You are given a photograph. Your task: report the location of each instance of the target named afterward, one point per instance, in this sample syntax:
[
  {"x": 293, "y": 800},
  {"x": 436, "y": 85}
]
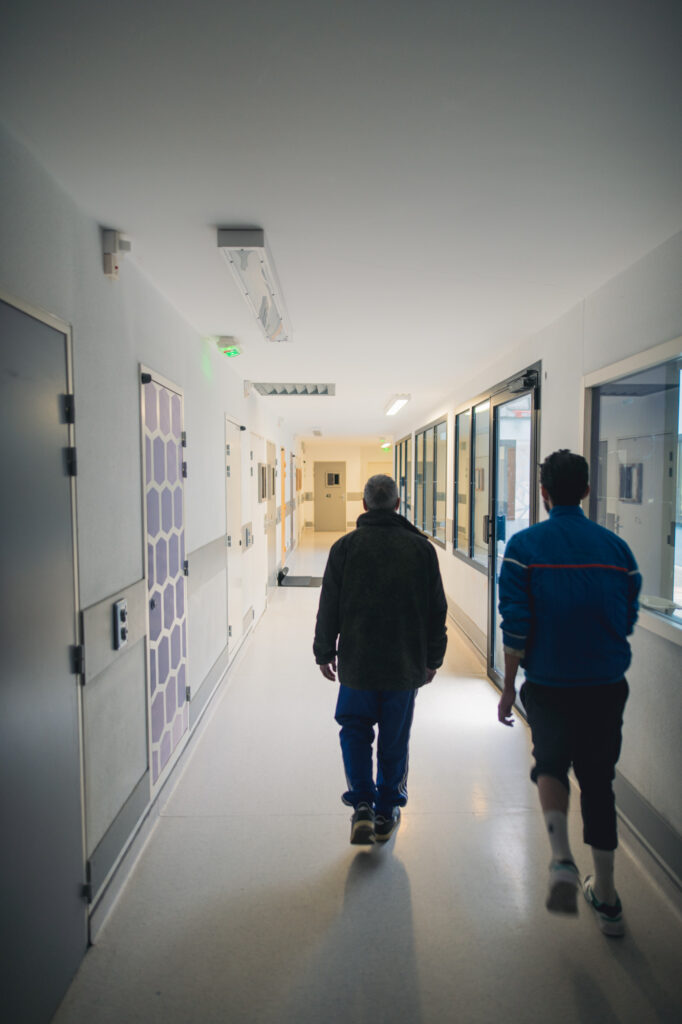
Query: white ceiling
[{"x": 436, "y": 181}]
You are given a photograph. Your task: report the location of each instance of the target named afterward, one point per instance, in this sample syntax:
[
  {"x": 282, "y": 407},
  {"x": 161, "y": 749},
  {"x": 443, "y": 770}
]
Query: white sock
[
  {"x": 604, "y": 887},
  {"x": 557, "y": 830}
]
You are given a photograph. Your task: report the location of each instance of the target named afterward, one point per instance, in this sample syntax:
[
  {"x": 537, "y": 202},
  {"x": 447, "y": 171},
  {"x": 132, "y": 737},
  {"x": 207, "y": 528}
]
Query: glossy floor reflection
[{"x": 249, "y": 905}]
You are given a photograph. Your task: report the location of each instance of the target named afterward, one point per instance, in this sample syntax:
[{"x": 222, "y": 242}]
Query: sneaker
[
  {"x": 609, "y": 915},
  {"x": 385, "y": 826},
  {"x": 562, "y": 895},
  {"x": 362, "y": 826}
]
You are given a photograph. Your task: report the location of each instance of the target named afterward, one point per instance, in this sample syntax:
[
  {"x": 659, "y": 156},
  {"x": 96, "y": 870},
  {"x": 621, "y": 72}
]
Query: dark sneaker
[
  {"x": 562, "y": 894},
  {"x": 609, "y": 915},
  {"x": 362, "y": 826},
  {"x": 384, "y": 826}
]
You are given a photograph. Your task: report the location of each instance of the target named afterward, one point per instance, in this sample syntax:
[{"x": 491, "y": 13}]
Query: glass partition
[
  {"x": 481, "y": 445},
  {"x": 441, "y": 479},
  {"x": 636, "y": 485},
  {"x": 419, "y": 481},
  {"x": 431, "y": 472},
  {"x": 462, "y": 482}
]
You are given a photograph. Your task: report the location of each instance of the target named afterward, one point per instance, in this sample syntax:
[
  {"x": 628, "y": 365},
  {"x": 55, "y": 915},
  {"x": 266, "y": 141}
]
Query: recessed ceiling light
[{"x": 396, "y": 403}]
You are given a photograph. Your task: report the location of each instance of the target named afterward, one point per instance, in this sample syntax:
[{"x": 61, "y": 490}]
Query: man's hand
[
  {"x": 430, "y": 673},
  {"x": 504, "y": 708},
  {"x": 329, "y": 671}
]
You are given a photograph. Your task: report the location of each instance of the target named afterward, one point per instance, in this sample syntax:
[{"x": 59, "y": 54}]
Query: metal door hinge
[
  {"x": 86, "y": 891},
  {"x": 185, "y": 567},
  {"x": 78, "y": 659},
  {"x": 229, "y": 630},
  {"x": 188, "y": 693},
  {"x": 228, "y": 470},
  {"x": 69, "y": 406},
  {"x": 184, "y": 469},
  {"x": 71, "y": 462},
  {"x": 229, "y": 541},
  {"x": 183, "y": 438}
]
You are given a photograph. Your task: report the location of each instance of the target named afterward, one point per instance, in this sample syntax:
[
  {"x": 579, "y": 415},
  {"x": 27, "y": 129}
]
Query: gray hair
[{"x": 381, "y": 492}]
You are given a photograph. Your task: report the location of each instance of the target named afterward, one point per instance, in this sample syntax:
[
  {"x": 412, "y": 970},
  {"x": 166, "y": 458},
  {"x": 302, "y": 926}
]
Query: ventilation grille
[{"x": 295, "y": 389}]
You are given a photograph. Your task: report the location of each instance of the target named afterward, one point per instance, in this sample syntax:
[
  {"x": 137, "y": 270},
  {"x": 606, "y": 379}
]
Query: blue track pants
[{"x": 357, "y": 712}]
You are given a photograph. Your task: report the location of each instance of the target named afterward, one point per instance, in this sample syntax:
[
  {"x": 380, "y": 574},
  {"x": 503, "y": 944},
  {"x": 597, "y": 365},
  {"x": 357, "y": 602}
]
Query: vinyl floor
[{"x": 249, "y": 906}]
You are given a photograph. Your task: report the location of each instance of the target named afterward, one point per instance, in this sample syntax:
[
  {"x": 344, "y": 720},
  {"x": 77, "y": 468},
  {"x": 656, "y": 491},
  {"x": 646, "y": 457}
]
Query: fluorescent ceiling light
[
  {"x": 385, "y": 445},
  {"x": 250, "y": 262},
  {"x": 297, "y": 390},
  {"x": 396, "y": 403}
]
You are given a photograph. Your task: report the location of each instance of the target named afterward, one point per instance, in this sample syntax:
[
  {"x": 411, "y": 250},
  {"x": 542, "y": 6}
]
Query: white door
[
  {"x": 330, "y": 496},
  {"x": 233, "y": 504}
]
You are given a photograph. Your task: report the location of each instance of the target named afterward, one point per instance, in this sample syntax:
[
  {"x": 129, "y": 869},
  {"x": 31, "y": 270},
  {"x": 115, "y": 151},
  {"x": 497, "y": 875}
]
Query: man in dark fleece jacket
[{"x": 382, "y": 600}]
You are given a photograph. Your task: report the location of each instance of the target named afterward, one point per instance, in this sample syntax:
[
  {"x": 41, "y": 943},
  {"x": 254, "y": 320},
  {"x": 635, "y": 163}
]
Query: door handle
[{"x": 486, "y": 529}]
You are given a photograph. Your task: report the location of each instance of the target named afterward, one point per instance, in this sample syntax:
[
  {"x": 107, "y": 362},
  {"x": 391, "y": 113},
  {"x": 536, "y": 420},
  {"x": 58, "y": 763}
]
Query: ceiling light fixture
[
  {"x": 385, "y": 445},
  {"x": 396, "y": 403},
  {"x": 297, "y": 390},
  {"x": 250, "y": 262}
]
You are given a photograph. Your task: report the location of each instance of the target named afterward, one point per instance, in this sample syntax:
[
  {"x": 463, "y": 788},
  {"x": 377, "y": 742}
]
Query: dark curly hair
[{"x": 565, "y": 476}]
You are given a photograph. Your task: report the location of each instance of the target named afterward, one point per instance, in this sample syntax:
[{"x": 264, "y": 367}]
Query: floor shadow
[{"x": 364, "y": 969}]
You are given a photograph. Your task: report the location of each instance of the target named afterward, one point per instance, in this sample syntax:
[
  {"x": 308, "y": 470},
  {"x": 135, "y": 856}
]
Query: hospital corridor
[{"x": 254, "y": 257}]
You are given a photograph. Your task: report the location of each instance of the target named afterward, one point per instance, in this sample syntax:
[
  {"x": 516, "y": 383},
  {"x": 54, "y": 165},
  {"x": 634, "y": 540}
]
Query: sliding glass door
[{"x": 514, "y": 494}]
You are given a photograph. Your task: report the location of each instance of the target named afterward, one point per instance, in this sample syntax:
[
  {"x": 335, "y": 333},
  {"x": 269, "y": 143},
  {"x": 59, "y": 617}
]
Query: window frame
[
  {"x": 400, "y": 463},
  {"x": 468, "y": 407},
  {"x": 654, "y": 622},
  {"x": 420, "y": 435}
]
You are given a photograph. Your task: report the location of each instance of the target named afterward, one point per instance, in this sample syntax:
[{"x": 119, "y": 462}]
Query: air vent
[{"x": 295, "y": 389}]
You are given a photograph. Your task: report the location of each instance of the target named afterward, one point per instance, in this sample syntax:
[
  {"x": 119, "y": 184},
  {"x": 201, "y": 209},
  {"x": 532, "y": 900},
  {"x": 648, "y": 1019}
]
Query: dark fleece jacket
[{"x": 382, "y": 597}]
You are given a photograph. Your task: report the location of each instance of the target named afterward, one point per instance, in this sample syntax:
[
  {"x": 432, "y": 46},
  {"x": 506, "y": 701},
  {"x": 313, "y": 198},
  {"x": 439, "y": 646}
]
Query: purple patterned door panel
[{"x": 162, "y": 419}]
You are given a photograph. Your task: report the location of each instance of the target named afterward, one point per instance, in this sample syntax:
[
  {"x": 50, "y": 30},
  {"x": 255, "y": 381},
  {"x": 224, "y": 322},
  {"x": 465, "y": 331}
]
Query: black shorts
[{"x": 577, "y": 726}]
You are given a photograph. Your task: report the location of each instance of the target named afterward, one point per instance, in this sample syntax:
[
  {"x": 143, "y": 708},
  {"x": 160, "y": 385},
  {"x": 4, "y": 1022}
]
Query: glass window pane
[
  {"x": 428, "y": 483},
  {"x": 441, "y": 478},
  {"x": 462, "y": 485},
  {"x": 481, "y": 479},
  {"x": 408, "y": 478},
  {"x": 513, "y": 476},
  {"x": 419, "y": 481},
  {"x": 636, "y": 486}
]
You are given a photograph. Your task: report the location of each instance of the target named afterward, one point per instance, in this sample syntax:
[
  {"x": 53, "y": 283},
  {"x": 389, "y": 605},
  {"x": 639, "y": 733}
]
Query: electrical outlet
[{"x": 120, "y": 624}]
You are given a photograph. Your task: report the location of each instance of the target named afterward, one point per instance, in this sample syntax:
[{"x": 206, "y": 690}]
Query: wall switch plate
[{"x": 120, "y": 624}]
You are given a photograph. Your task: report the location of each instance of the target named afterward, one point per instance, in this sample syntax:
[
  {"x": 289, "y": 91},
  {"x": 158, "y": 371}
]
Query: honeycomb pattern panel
[{"x": 168, "y": 708}]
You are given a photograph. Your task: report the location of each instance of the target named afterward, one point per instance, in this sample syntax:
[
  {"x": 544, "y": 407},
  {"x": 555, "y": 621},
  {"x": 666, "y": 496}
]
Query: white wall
[{"x": 51, "y": 260}]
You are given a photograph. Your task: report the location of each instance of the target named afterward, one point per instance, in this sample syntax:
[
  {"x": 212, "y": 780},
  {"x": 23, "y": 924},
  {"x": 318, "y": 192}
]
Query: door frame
[
  {"x": 64, "y": 328},
  {"x": 164, "y": 773},
  {"x": 331, "y": 462},
  {"x": 80, "y": 885},
  {"x": 527, "y": 383}
]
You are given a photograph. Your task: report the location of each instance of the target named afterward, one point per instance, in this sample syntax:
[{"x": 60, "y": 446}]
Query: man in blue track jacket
[
  {"x": 383, "y": 602},
  {"x": 568, "y": 600}
]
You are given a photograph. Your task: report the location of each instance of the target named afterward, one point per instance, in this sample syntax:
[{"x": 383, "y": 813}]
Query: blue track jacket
[{"x": 568, "y": 599}]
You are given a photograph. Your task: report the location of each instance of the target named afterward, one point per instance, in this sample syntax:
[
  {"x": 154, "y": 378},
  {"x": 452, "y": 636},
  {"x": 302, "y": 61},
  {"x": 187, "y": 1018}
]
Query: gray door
[
  {"x": 44, "y": 920},
  {"x": 330, "y": 496}
]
